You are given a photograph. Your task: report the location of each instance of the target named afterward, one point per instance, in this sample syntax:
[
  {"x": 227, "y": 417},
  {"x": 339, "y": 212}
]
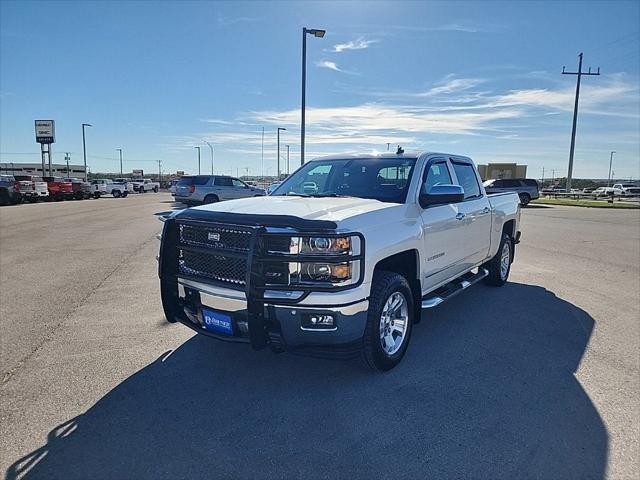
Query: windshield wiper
[{"x": 332, "y": 194}]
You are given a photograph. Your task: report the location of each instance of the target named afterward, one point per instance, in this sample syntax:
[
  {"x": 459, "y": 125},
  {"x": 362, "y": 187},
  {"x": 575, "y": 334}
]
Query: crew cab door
[
  {"x": 443, "y": 233},
  {"x": 474, "y": 214},
  {"x": 223, "y": 188}
]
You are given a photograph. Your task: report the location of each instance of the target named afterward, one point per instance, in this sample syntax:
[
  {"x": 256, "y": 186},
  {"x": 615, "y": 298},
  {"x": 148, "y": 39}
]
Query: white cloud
[
  {"x": 224, "y": 21},
  {"x": 358, "y": 44},
  {"x": 333, "y": 66}
]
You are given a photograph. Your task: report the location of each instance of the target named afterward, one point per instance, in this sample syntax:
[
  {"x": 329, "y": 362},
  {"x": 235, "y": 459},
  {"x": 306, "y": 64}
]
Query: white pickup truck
[
  {"x": 143, "y": 185},
  {"x": 342, "y": 258},
  {"x": 103, "y": 186}
]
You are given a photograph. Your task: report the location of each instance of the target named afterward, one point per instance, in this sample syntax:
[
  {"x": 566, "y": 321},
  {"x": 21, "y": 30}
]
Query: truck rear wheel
[
  {"x": 96, "y": 195},
  {"x": 524, "y": 199},
  {"x": 115, "y": 193},
  {"x": 155, "y": 189},
  {"x": 500, "y": 265},
  {"x": 389, "y": 321}
]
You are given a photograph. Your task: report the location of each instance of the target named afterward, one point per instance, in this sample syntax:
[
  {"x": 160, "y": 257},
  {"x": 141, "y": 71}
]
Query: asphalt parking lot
[{"x": 538, "y": 379}]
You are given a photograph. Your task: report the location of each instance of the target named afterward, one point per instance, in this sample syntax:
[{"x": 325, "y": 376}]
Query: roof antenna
[{"x": 400, "y": 150}]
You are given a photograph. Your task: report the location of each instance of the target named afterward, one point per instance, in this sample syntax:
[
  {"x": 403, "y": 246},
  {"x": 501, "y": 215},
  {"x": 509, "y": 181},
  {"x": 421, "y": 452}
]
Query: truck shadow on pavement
[{"x": 487, "y": 390}]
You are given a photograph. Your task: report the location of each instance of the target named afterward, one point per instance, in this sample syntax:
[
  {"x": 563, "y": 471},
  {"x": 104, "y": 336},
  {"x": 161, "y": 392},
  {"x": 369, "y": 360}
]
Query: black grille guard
[{"x": 254, "y": 288}]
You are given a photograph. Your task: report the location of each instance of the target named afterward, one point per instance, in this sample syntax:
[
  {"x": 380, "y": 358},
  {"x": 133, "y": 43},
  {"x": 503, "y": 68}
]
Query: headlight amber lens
[
  {"x": 329, "y": 245},
  {"x": 327, "y": 272}
]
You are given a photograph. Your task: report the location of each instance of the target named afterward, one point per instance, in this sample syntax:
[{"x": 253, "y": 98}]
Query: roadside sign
[
  {"x": 137, "y": 173},
  {"x": 45, "y": 131}
]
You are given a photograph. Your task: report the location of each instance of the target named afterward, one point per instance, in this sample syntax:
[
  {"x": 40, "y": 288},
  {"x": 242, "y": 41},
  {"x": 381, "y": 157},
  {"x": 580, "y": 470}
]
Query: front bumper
[
  {"x": 284, "y": 322},
  {"x": 281, "y": 316}
]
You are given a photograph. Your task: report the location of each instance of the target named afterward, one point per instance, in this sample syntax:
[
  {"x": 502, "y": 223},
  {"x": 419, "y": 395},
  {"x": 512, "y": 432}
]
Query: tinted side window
[
  {"x": 530, "y": 182},
  {"x": 438, "y": 174},
  {"x": 497, "y": 184},
  {"x": 223, "y": 182},
  {"x": 467, "y": 178},
  {"x": 237, "y": 183},
  {"x": 511, "y": 183}
]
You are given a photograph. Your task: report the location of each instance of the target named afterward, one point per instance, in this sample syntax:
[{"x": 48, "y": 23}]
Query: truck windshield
[{"x": 384, "y": 179}]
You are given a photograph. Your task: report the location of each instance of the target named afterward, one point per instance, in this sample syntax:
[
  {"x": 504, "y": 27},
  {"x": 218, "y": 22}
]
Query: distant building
[
  {"x": 57, "y": 169},
  {"x": 502, "y": 170}
]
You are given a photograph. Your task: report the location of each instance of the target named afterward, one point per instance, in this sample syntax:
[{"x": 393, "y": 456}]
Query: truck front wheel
[
  {"x": 389, "y": 321},
  {"x": 500, "y": 265}
]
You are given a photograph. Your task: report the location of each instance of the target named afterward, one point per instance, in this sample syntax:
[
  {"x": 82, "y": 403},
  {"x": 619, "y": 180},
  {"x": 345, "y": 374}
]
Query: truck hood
[{"x": 326, "y": 208}]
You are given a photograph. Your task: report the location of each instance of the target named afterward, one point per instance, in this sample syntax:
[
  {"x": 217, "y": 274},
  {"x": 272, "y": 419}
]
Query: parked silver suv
[
  {"x": 526, "y": 188},
  {"x": 196, "y": 189}
]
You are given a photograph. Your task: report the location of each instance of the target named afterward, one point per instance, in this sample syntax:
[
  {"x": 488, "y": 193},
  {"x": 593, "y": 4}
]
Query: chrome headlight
[{"x": 347, "y": 245}]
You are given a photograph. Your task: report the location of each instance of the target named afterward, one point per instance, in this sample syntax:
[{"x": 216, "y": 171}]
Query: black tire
[
  {"x": 211, "y": 199},
  {"x": 96, "y": 195},
  {"x": 125, "y": 194},
  {"x": 155, "y": 189},
  {"x": 385, "y": 285},
  {"x": 116, "y": 193},
  {"x": 497, "y": 276},
  {"x": 5, "y": 199},
  {"x": 525, "y": 198}
]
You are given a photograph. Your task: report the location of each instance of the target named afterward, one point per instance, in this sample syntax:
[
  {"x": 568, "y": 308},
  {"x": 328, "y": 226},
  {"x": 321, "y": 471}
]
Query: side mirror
[{"x": 441, "y": 194}]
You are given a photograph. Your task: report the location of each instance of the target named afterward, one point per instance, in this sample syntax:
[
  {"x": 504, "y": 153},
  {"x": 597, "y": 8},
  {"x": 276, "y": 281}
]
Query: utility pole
[
  {"x": 278, "y": 153},
  {"x": 262, "y": 154},
  {"x": 120, "y": 150},
  {"x": 84, "y": 150},
  {"x": 388, "y": 145},
  {"x": 198, "y": 148},
  {"x": 610, "y": 164},
  {"x": 553, "y": 176},
  {"x": 211, "y": 147},
  {"x": 287, "y": 159},
  {"x": 67, "y": 158},
  {"x": 579, "y": 74},
  {"x": 159, "y": 171},
  {"x": 542, "y": 177}
]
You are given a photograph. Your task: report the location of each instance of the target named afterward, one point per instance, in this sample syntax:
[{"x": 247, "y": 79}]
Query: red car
[{"x": 59, "y": 189}]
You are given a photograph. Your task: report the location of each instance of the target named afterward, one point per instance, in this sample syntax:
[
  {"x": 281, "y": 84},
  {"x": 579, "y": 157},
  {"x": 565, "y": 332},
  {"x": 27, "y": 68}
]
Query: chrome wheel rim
[
  {"x": 505, "y": 260},
  {"x": 393, "y": 323}
]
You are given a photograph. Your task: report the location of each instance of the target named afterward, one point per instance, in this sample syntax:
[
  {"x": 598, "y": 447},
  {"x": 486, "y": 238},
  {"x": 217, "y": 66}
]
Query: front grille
[
  {"x": 216, "y": 267},
  {"x": 216, "y": 236},
  {"x": 211, "y": 251}
]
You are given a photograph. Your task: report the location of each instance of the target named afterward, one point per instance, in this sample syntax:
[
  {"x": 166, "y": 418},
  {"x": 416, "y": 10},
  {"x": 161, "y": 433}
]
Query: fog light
[{"x": 317, "y": 321}]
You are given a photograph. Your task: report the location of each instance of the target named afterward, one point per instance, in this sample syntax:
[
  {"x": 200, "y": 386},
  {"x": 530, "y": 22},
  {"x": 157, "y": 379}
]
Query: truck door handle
[
  {"x": 460, "y": 216},
  {"x": 486, "y": 210}
]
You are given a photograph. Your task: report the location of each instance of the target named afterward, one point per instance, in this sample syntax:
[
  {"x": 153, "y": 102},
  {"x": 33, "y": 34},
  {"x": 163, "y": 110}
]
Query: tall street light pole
[
  {"x": 287, "y": 159},
  {"x": 84, "y": 149},
  {"x": 211, "y": 147},
  {"x": 120, "y": 151},
  {"x": 610, "y": 164},
  {"x": 318, "y": 34},
  {"x": 198, "y": 148},
  {"x": 279, "y": 128}
]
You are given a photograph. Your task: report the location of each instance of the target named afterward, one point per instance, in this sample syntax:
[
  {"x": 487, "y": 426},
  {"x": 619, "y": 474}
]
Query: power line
[{"x": 579, "y": 74}]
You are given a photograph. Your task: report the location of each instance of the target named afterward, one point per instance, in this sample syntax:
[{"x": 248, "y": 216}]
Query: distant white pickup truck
[
  {"x": 144, "y": 185},
  {"x": 106, "y": 185},
  {"x": 342, "y": 257}
]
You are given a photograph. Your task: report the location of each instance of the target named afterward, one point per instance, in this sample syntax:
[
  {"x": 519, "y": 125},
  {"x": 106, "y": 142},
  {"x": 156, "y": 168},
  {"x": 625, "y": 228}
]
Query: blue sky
[{"x": 481, "y": 79}]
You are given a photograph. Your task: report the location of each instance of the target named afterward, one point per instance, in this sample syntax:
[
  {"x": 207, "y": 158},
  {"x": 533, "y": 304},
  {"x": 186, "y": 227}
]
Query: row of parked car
[{"x": 16, "y": 189}]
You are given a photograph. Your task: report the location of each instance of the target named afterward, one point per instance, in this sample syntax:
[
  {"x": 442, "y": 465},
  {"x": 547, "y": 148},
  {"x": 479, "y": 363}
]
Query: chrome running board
[{"x": 453, "y": 288}]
